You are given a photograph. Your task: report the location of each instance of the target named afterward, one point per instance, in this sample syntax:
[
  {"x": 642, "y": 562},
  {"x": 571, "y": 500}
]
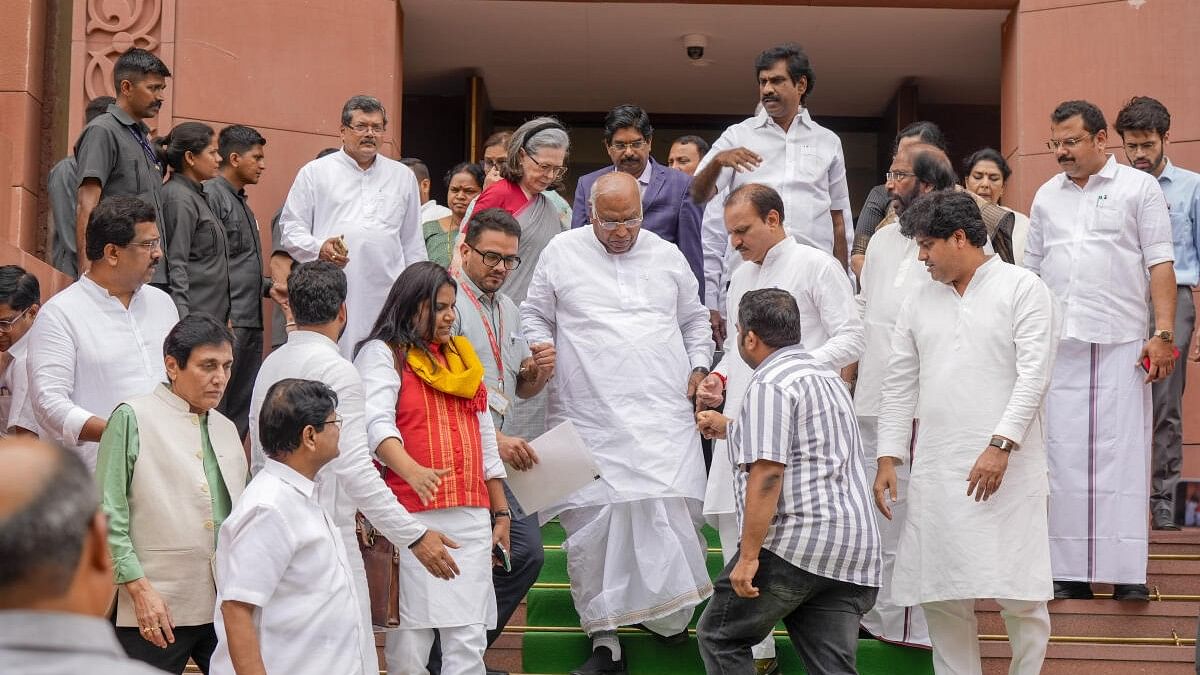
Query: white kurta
[
  {"x": 73, "y": 375},
  {"x": 890, "y": 274},
  {"x": 980, "y": 364},
  {"x": 377, "y": 211},
  {"x": 628, "y": 330},
  {"x": 830, "y": 331}
]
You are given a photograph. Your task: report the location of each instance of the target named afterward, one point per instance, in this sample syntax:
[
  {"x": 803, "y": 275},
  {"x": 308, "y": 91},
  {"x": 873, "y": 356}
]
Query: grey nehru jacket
[
  {"x": 195, "y": 250},
  {"x": 247, "y": 285},
  {"x": 108, "y": 150},
  {"x": 61, "y": 185},
  {"x": 57, "y": 643}
]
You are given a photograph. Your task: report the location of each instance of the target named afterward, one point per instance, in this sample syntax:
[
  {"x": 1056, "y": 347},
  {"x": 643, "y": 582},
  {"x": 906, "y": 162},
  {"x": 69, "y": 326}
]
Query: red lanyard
[{"x": 487, "y": 326}]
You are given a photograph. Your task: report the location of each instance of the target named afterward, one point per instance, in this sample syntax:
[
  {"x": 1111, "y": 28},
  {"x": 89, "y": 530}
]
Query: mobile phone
[
  {"x": 502, "y": 556},
  {"x": 1146, "y": 361}
]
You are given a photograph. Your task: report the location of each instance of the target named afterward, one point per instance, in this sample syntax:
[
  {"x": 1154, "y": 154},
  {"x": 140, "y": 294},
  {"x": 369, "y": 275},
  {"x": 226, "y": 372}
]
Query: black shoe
[
  {"x": 1072, "y": 590},
  {"x": 677, "y": 639},
  {"x": 767, "y": 667},
  {"x": 601, "y": 663},
  {"x": 1164, "y": 520},
  {"x": 496, "y": 672},
  {"x": 1132, "y": 592}
]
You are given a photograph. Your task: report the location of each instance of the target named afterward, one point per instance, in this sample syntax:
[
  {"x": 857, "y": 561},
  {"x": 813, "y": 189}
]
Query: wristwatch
[
  {"x": 1002, "y": 444},
  {"x": 1165, "y": 335}
]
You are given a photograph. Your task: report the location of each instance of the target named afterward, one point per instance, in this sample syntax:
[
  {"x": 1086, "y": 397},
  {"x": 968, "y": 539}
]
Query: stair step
[
  {"x": 554, "y": 569},
  {"x": 1183, "y": 542},
  {"x": 552, "y": 652},
  {"x": 1097, "y": 659},
  {"x": 1105, "y": 618}
]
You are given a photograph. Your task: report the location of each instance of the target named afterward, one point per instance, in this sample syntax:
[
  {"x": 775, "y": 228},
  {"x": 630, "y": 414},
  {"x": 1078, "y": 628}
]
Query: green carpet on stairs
[{"x": 558, "y": 651}]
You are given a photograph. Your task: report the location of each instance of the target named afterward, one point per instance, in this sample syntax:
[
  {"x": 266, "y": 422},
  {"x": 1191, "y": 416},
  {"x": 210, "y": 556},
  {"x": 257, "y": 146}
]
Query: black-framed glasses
[
  {"x": 897, "y": 176},
  {"x": 1069, "y": 143},
  {"x": 556, "y": 171},
  {"x": 7, "y": 325},
  {"x": 320, "y": 426},
  {"x": 491, "y": 259},
  {"x": 620, "y": 146}
]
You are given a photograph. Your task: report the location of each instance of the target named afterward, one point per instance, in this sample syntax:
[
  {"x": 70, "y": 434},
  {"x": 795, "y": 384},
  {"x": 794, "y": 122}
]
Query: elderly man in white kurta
[
  {"x": 971, "y": 357},
  {"x": 622, "y": 310},
  {"x": 831, "y": 331},
  {"x": 359, "y": 210},
  {"x": 1095, "y": 230},
  {"x": 890, "y": 272}
]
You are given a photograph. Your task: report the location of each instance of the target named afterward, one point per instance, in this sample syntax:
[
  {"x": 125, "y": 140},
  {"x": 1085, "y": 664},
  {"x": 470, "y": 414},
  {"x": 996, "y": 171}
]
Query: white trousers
[
  {"x": 954, "y": 632},
  {"x": 359, "y": 571},
  {"x": 887, "y": 620},
  {"x": 731, "y": 536},
  {"x": 407, "y": 650}
]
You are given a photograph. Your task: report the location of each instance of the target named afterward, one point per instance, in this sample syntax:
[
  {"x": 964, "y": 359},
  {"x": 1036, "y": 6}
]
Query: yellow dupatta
[{"x": 461, "y": 376}]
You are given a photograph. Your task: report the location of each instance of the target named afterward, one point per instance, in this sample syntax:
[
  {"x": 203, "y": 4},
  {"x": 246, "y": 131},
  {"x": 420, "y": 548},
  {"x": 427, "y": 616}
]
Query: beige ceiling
[{"x": 584, "y": 56}]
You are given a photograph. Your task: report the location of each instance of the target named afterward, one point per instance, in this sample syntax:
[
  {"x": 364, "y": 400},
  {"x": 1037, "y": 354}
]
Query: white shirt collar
[
  {"x": 802, "y": 116},
  {"x": 779, "y": 250},
  {"x": 302, "y": 336},
  {"x": 349, "y": 161},
  {"x": 290, "y": 476}
]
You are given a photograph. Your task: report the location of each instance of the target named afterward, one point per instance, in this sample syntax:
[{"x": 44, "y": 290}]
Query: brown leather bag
[{"x": 382, "y": 562}]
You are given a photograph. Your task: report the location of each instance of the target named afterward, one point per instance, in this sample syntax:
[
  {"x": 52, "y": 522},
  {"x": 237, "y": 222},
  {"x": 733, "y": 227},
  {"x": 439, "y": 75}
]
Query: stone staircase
[{"x": 1096, "y": 637}]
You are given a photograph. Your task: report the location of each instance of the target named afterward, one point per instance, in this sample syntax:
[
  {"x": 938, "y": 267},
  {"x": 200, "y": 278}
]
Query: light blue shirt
[{"x": 1182, "y": 189}]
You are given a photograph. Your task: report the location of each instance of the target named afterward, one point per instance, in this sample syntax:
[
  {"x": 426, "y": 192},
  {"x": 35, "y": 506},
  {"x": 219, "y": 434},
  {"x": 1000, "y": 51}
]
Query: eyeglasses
[
  {"x": 556, "y": 171},
  {"x": 491, "y": 259},
  {"x": 897, "y": 176},
  {"x": 610, "y": 225},
  {"x": 1069, "y": 143},
  {"x": 360, "y": 129},
  {"x": 622, "y": 147},
  {"x": 6, "y": 326},
  {"x": 149, "y": 244},
  {"x": 489, "y": 164},
  {"x": 335, "y": 421}
]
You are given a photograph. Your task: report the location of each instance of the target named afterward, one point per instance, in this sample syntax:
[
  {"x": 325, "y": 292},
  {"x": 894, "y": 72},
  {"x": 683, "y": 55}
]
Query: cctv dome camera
[{"x": 694, "y": 44}]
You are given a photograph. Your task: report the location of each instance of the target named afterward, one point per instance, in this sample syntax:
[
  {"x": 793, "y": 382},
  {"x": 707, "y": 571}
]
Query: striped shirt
[{"x": 799, "y": 413}]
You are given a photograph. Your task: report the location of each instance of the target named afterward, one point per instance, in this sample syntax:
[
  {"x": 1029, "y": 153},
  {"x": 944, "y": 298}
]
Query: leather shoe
[
  {"x": 677, "y": 639},
  {"x": 601, "y": 663},
  {"x": 1164, "y": 520},
  {"x": 1133, "y": 592},
  {"x": 1072, "y": 590}
]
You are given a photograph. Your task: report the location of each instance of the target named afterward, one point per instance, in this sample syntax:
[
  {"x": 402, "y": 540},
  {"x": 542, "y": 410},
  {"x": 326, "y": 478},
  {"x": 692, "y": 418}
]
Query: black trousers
[
  {"x": 191, "y": 642},
  {"x": 247, "y": 358}
]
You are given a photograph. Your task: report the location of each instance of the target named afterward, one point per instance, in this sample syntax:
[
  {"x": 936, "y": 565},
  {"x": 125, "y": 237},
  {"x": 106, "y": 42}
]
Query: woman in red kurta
[{"x": 426, "y": 404}]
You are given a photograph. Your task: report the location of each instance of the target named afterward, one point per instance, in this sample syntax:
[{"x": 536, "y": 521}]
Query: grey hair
[
  {"x": 364, "y": 103},
  {"x": 609, "y": 184},
  {"x": 555, "y": 138},
  {"x": 46, "y": 536}
]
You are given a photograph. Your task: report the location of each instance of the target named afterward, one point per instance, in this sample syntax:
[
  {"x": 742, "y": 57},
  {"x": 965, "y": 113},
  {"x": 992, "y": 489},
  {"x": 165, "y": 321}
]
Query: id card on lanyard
[{"x": 497, "y": 400}]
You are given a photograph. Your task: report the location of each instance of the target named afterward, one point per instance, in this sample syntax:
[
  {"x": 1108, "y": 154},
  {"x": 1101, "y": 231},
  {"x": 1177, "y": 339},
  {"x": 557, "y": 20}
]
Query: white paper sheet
[{"x": 564, "y": 465}]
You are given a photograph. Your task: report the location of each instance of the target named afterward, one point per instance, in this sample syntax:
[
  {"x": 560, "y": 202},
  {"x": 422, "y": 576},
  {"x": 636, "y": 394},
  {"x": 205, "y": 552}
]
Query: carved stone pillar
[{"x": 101, "y": 31}]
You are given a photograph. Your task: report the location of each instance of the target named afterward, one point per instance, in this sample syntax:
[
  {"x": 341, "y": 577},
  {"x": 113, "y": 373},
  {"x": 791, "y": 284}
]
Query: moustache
[{"x": 770, "y": 99}]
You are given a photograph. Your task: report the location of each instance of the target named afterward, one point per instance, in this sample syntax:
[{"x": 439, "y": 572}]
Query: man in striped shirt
[{"x": 809, "y": 539}]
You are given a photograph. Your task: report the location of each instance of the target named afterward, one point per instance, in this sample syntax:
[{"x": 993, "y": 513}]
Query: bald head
[
  {"x": 931, "y": 165},
  {"x": 48, "y": 514},
  {"x": 616, "y": 202}
]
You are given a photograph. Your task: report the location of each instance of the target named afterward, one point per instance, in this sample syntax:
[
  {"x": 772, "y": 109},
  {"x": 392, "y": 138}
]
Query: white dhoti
[
  {"x": 887, "y": 620},
  {"x": 461, "y": 609},
  {"x": 1098, "y": 418},
  {"x": 635, "y": 562}
]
